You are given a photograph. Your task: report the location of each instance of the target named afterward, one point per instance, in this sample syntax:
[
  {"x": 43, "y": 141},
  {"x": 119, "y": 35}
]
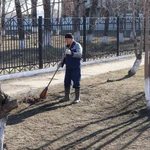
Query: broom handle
[
  {"x": 55, "y": 72},
  {"x": 52, "y": 77},
  {"x": 57, "y": 68}
]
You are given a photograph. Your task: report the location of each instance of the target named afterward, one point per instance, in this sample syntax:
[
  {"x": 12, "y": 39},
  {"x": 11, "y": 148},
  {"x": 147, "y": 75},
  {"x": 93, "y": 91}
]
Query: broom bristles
[{"x": 43, "y": 93}]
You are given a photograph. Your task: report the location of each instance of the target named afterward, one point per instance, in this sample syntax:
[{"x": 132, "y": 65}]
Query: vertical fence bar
[
  {"x": 40, "y": 42},
  {"x": 118, "y": 47},
  {"x": 84, "y": 38}
]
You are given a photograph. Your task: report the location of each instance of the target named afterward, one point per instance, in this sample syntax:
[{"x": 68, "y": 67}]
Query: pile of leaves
[{"x": 31, "y": 99}]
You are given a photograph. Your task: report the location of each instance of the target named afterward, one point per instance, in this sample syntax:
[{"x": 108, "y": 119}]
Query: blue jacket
[{"x": 74, "y": 60}]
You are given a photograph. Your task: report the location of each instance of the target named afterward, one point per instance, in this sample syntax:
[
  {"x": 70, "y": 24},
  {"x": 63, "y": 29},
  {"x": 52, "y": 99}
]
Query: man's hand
[{"x": 68, "y": 52}]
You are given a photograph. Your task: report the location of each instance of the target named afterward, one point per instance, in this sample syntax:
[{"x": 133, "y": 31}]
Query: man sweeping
[{"x": 72, "y": 60}]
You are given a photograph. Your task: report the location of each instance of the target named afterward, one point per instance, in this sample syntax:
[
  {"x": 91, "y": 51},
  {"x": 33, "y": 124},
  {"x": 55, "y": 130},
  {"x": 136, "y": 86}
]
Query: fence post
[
  {"x": 84, "y": 38},
  {"x": 40, "y": 42},
  {"x": 118, "y": 36}
]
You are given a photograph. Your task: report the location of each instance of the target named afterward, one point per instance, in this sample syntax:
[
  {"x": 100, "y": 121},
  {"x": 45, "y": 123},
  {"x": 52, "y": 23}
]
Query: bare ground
[{"x": 110, "y": 116}]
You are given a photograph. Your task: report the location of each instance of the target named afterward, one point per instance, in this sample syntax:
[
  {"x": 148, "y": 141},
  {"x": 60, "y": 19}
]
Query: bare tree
[
  {"x": 58, "y": 29},
  {"x": 20, "y": 24},
  {"x": 138, "y": 49},
  {"x": 1, "y": 6},
  {"x": 25, "y": 7},
  {"x": 67, "y": 7},
  {"x": 52, "y": 8},
  {"x": 106, "y": 26},
  {"x": 47, "y": 30},
  {"x": 2, "y": 121},
  {"x": 93, "y": 13},
  {"x": 63, "y": 12},
  {"x": 0, "y": 25},
  {"x": 97, "y": 9},
  {"x": 3, "y": 17},
  {"x": 147, "y": 55},
  {"x": 76, "y": 20},
  {"x": 119, "y": 9},
  {"x": 34, "y": 14},
  {"x": 26, "y": 4}
]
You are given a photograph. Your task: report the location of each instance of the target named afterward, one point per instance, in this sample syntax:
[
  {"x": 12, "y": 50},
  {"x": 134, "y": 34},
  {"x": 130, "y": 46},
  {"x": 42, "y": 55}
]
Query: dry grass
[{"x": 110, "y": 116}]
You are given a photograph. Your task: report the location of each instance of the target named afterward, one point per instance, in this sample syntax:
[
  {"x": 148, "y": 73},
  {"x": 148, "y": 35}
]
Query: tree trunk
[
  {"x": 0, "y": 26},
  {"x": 106, "y": 27},
  {"x": 76, "y": 20},
  {"x": 47, "y": 27},
  {"x": 6, "y": 105},
  {"x": 93, "y": 13},
  {"x": 2, "y": 129},
  {"x": 34, "y": 15},
  {"x": 147, "y": 56},
  {"x": 58, "y": 28},
  {"x": 121, "y": 36},
  {"x": 27, "y": 9},
  {"x": 3, "y": 17},
  {"x": 1, "y": 38},
  {"x": 137, "y": 50},
  {"x": 125, "y": 26},
  {"x": 20, "y": 24}
]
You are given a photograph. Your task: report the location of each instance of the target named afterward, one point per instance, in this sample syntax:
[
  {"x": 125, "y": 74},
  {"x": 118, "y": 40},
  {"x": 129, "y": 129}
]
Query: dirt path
[{"x": 110, "y": 116}]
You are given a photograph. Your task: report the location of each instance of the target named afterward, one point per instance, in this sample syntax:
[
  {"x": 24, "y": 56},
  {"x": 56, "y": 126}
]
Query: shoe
[
  {"x": 66, "y": 97},
  {"x": 77, "y": 96},
  {"x": 76, "y": 101}
]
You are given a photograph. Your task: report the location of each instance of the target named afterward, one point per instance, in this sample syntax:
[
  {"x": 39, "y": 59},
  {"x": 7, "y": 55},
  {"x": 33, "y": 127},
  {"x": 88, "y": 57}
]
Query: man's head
[{"x": 69, "y": 38}]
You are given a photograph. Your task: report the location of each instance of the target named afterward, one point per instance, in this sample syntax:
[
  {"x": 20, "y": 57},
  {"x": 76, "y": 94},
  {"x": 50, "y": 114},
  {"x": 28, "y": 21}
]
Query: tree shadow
[
  {"x": 140, "y": 121},
  {"x": 129, "y": 102},
  {"x": 26, "y": 113},
  {"x": 124, "y": 126},
  {"x": 123, "y": 78}
]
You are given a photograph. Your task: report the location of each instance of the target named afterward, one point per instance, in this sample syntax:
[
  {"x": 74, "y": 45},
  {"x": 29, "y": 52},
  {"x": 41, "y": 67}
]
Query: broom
[{"x": 44, "y": 92}]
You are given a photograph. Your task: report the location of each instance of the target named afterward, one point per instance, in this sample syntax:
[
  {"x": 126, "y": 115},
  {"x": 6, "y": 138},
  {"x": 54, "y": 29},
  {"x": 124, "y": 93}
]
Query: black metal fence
[{"x": 42, "y": 41}]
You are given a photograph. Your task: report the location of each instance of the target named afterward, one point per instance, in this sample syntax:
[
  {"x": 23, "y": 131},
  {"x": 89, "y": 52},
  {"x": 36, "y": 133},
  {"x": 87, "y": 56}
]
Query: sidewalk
[{"x": 40, "y": 78}]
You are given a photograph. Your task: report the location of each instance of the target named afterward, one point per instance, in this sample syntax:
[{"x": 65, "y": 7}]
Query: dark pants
[{"x": 72, "y": 75}]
